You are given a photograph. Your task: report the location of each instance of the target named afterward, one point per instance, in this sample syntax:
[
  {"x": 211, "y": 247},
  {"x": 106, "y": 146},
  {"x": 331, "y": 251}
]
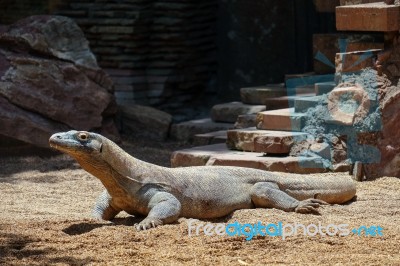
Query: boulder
[
  {"x": 50, "y": 81},
  {"x": 145, "y": 121}
]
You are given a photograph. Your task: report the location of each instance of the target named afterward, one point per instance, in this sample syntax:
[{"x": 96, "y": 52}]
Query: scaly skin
[{"x": 165, "y": 194}]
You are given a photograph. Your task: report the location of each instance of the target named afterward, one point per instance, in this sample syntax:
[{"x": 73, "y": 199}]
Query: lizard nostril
[{"x": 58, "y": 136}]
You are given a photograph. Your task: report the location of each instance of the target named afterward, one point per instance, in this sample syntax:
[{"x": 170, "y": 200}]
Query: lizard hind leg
[
  {"x": 269, "y": 195},
  {"x": 103, "y": 209}
]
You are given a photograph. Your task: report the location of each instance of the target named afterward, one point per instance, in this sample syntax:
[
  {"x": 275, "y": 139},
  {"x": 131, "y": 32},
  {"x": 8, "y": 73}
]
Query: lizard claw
[
  {"x": 309, "y": 206},
  {"x": 147, "y": 224}
]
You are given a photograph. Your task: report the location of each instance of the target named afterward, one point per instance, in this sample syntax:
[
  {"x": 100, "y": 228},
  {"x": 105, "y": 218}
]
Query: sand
[{"x": 45, "y": 218}]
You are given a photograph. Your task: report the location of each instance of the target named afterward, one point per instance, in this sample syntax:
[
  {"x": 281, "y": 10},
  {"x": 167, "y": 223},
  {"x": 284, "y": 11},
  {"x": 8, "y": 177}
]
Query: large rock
[
  {"x": 49, "y": 82},
  {"x": 145, "y": 121}
]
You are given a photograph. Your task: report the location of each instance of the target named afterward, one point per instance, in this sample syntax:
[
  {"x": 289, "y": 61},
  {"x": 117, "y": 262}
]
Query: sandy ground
[{"x": 45, "y": 219}]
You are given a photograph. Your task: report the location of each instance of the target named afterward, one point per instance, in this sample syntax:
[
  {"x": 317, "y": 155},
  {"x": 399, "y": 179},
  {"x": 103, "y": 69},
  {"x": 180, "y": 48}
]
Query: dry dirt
[{"x": 45, "y": 219}]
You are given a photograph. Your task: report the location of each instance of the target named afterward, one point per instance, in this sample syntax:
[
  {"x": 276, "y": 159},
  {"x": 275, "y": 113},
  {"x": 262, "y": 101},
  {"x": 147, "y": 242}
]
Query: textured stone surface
[
  {"x": 185, "y": 131},
  {"x": 299, "y": 165},
  {"x": 355, "y": 61},
  {"x": 301, "y": 104},
  {"x": 229, "y": 112},
  {"x": 197, "y": 156},
  {"x": 219, "y": 154},
  {"x": 281, "y": 119},
  {"x": 210, "y": 138},
  {"x": 368, "y": 17},
  {"x": 245, "y": 121},
  {"x": 258, "y": 95},
  {"x": 326, "y": 46},
  {"x": 278, "y": 142},
  {"x": 145, "y": 121},
  {"x": 388, "y": 141},
  {"x": 154, "y": 51},
  {"x": 45, "y": 87},
  {"x": 243, "y": 139},
  {"x": 267, "y": 141},
  {"x": 348, "y": 105}
]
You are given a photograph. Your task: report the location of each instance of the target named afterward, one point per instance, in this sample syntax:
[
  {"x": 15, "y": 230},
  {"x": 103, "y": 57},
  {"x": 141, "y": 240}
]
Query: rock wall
[
  {"x": 157, "y": 52},
  {"x": 50, "y": 82}
]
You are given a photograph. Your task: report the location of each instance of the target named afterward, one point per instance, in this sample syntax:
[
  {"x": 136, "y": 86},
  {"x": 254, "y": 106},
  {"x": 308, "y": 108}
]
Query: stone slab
[
  {"x": 368, "y": 17},
  {"x": 229, "y": 112},
  {"x": 302, "y": 104},
  {"x": 186, "y": 131},
  {"x": 298, "y": 165},
  {"x": 327, "y": 45},
  {"x": 258, "y": 95},
  {"x": 357, "y": 2},
  {"x": 197, "y": 156},
  {"x": 281, "y": 119},
  {"x": 210, "y": 138},
  {"x": 245, "y": 121},
  {"x": 219, "y": 154},
  {"x": 267, "y": 141},
  {"x": 278, "y": 142},
  {"x": 356, "y": 61}
]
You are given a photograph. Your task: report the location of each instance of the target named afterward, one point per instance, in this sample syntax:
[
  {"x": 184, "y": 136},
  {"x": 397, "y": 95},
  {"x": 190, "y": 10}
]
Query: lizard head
[{"x": 77, "y": 143}]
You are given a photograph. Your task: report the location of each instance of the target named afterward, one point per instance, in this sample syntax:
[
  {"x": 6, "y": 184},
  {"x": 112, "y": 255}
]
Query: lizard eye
[{"x": 83, "y": 136}]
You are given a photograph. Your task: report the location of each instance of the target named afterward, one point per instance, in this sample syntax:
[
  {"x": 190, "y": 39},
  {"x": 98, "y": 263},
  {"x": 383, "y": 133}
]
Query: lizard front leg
[
  {"x": 164, "y": 209},
  {"x": 103, "y": 209},
  {"x": 268, "y": 195}
]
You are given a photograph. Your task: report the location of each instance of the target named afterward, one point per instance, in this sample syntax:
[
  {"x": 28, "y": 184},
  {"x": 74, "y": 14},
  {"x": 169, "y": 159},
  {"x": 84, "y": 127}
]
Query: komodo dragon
[{"x": 164, "y": 194}]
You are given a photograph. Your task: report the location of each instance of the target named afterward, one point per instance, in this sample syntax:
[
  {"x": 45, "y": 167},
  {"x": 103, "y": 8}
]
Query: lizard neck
[{"x": 125, "y": 164}]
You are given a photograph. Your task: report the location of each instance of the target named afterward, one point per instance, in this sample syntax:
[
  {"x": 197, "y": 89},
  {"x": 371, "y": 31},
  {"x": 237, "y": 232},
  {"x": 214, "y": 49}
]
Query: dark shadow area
[
  {"x": 83, "y": 228},
  {"x": 86, "y": 227}
]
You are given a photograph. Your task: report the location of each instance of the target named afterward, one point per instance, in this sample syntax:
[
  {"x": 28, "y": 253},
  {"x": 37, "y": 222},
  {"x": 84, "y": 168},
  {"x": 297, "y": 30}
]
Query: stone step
[
  {"x": 219, "y": 154},
  {"x": 368, "y": 17},
  {"x": 266, "y": 141},
  {"x": 258, "y": 95},
  {"x": 305, "y": 83},
  {"x": 302, "y": 104},
  {"x": 356, "y": 61},
  {"x": 327, "y": 45},
  {"x": 228, "y": 112},
  {"x": 210, "y": 138},
  {"x": 285, "y": 101},
  {"x": 186, "y": 131},
  {"x": 281, "y": 119},
  {"x": 324, "y": 87},
  {"x": 245, "y": 121}
]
